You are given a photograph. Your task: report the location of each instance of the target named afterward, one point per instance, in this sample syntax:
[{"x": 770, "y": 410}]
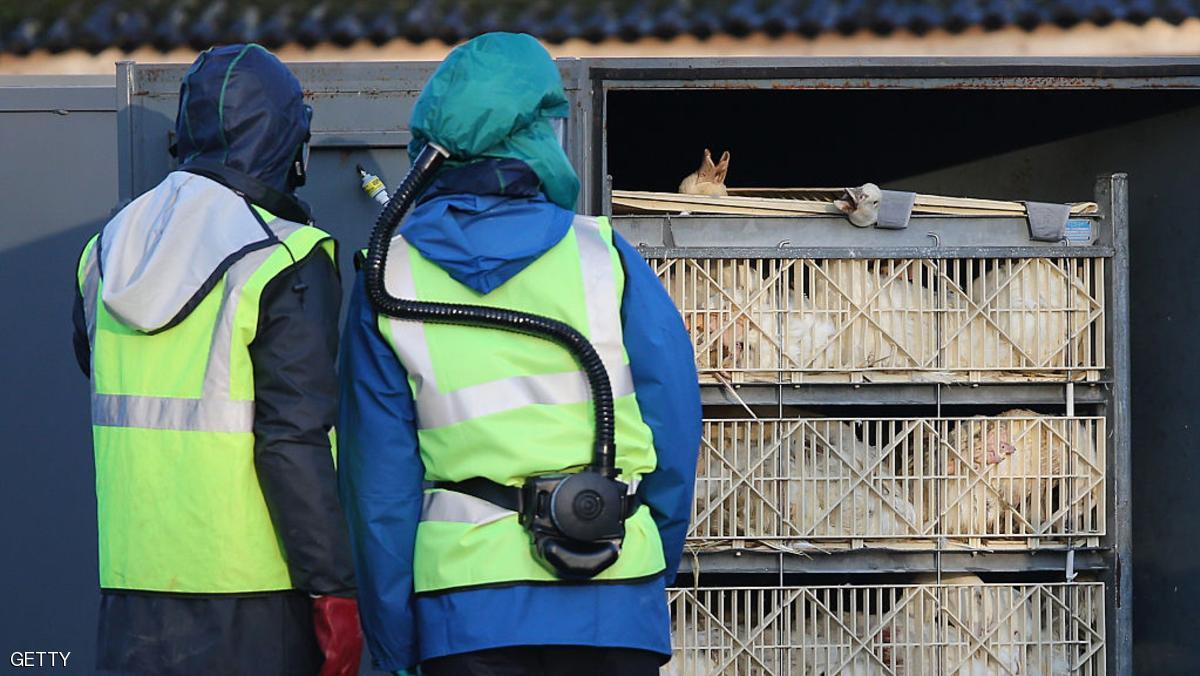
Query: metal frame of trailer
[
  {"x": 1108, "y": 562},
  {"x": 362, "y": 108},
  {"x": 929, "y": 237}
]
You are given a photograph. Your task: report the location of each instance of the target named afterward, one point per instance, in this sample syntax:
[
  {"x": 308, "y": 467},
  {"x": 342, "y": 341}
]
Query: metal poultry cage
[
  {"x": 803, "y": 484},
  {"x": 797, "y": 320},
  {"x": 946, "y": 398},
  {"x": 934, "y": 320},
  {"x": 958, "y": 626}
]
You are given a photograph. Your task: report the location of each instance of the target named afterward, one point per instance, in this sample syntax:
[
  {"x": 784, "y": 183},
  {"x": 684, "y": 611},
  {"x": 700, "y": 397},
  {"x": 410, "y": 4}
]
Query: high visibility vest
[
  {"x": 179, "y": 504},
  {"x": 506, "y": 406}
]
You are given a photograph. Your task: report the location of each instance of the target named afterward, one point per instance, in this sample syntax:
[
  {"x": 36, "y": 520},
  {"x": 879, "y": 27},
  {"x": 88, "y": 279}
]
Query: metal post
[
  {"x": 126, "y": 133},
  {"x": 1113, "y": 196}
]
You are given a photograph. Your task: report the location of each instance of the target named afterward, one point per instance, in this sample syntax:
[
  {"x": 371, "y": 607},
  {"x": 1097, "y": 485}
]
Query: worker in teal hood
[
  {"x": 499, "y": 97},
  {"x": 497, "y": 224}
]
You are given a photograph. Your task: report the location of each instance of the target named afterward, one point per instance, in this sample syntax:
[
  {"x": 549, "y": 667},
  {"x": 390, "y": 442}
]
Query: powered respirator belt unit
[{"x": 576, "y": 521}]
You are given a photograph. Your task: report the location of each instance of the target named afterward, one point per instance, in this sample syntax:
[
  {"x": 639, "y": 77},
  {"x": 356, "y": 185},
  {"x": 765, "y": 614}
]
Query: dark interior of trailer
[{"x": 819, "y": 138}]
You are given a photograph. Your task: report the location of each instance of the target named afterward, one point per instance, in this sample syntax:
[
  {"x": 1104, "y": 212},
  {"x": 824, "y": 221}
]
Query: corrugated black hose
[{"x": 422, "y": 170}]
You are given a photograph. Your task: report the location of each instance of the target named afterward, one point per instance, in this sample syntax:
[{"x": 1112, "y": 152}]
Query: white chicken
[
  {"x": 861, "y": 205},
  {"x": 986, "y": 628},
  {"x": 1049, "y": 654},
  {"x": 834, "y": 493},
  {"x": 886, "y": 318},
  {"x": 731, "y": 312},
  {"x": 696, "y": 649},
  {"x": 808, "y": 335},
  {"x": 824, "y": 647},
  {"x": 709, "y": 179},
  {"x": 1024, "y": 314},
  {"x": 705, "y": 648},
  {"x": 716, "y": 505},
  {"x": 1053, "y": 652},
  {"x": 735, "y": 486},
  {"x": 1006, "y": 477}
]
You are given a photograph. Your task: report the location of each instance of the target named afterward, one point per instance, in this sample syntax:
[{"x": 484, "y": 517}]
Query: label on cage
[{"x": 1079, "y": 231}]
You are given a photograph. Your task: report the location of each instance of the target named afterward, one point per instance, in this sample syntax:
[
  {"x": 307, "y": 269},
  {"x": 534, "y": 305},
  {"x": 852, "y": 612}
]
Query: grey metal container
[{"x": 937, "y": 126}]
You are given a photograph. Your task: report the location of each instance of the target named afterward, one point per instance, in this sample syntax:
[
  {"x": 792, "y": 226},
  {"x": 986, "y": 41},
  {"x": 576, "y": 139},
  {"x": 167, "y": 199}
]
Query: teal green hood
[{"x": 494, "y": 97}]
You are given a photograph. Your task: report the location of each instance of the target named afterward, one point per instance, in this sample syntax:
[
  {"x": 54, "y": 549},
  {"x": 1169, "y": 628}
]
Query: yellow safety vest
[
  {"x": 178, "y": 498},
  {"x": 505, "y": 406}
]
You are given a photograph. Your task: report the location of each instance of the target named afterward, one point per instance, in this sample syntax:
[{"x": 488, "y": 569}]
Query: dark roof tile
[
  {"x": 1176, "y": 11},
  {"x": 347, "y": 29},
  {"x": 245, "y": 26},
  {"x": 169, "y": 30},
  {"x": 23, "y": 39},
  {"x": 563, "y": 25},
  {"x": 59, "y": 37},
  {"x": 962, "y": 14},
  {"x": 705, "y": 23},
  {"x": 671, "y": 21},
  {"x": 310, "y": 31},
  {"x": 58, "y": 25},
  {"x": 207, "y": 29},
  {"x": 600, "y": 24},
  {"x": 1139, "y": 11},
  {"x": 382, "y": 27},
  {"x": 133, "y": 28},
  {"x": 277, "y": 29}
]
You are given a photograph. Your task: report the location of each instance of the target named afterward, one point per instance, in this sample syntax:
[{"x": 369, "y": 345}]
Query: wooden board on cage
[
  {"x": 799, "y": 202},
  {"x": 1019, "y": 478},
  {"x": 956, "y": 626},
  {"x": 793, "y": 321}
]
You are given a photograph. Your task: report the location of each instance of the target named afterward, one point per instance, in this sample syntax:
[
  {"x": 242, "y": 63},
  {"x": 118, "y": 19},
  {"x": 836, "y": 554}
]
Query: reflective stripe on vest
[
  {"x": 180, "y": 506},
  {"x": 213, "y": 411},
  {"x": 439, "y": 409},
  {"x": 439, "y": 505}
]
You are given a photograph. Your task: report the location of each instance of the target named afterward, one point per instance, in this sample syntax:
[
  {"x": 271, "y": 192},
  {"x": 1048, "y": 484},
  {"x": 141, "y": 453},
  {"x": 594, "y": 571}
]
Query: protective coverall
[
  {"x": 165, "y": 301},
  {"x": 483, "y": 221}
]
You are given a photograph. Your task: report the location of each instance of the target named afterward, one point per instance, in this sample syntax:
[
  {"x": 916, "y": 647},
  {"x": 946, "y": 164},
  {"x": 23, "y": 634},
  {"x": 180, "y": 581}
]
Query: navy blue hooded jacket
[
  {"x": 241, "y": 122},
  {"x": 484, "y": 223}
]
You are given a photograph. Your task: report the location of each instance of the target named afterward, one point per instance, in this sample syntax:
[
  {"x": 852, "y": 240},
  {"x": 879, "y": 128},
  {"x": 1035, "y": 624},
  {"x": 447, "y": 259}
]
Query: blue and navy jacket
[{"x": 484, "y": 223}]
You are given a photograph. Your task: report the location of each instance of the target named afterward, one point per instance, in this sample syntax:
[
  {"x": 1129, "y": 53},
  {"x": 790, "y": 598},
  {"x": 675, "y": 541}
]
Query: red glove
[{"x": 335, "y": 621}]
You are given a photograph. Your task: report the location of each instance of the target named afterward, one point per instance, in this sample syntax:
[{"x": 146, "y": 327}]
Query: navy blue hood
[
  {"x": 241, "y": 112},
  {"x": 484, "y": 222}
]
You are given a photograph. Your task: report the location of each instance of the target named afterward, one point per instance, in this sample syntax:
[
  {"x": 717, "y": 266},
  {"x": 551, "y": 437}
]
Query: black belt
[{"x": 509, "y": 497}]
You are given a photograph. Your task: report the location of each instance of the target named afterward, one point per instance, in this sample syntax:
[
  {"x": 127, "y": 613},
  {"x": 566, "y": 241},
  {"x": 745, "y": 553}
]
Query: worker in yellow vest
[
  {"x": 442, "y": 425},
  {"x": 206, "y": 318}
]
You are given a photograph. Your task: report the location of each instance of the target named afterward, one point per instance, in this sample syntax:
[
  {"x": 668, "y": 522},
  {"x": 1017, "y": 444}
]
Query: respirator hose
[{"x": 424, "y": 167}]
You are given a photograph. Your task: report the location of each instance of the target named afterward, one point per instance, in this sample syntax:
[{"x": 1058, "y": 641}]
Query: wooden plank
[{"x": 810, "y": 201}]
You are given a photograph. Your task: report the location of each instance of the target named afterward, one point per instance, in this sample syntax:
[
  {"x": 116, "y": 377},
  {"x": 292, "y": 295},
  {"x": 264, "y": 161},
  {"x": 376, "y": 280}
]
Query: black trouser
[
  {"x": 567, "y": 660},
  {"x": 165, "y": 635}
]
